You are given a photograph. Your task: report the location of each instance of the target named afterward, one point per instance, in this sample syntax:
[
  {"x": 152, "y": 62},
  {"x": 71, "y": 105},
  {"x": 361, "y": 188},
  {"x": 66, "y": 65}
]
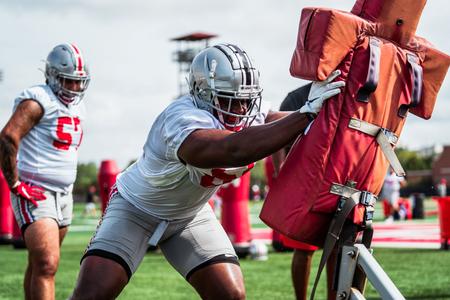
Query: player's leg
[
  {"x": 201, "y": 251},
  {"x": 62, "y": 234},
  {"x": 115, "y": 251},
  {"x": 301, "y": 265},
  {"x": 222, "y": 280},
  {"x": 390, "y": 208},
  {"x": 93, "y": 283},
  {"x": 27, "y": 280},
  {"x": 395, "y": 197},
  {"x": 300, "y": 269},
  {"x": 41, "y": 235},
  {"x": 42, "y": 241}
]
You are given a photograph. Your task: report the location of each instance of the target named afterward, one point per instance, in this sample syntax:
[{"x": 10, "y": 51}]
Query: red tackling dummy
[{"x": 388, "y": 72}]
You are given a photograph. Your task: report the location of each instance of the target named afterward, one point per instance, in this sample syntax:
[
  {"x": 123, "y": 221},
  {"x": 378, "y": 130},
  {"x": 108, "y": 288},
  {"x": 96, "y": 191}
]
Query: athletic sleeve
[{"x": 180, "y": 123}]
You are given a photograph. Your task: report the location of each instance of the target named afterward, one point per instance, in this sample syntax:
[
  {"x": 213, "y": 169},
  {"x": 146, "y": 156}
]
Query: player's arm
[
  {"x": 276, "y": 115},
  {"x": 25, "y": 117},
  {"x": 213, "y": 148}
]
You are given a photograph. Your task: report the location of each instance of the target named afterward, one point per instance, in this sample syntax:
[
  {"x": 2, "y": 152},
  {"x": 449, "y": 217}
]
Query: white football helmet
[
  {"x": 225, "y": 72},
  {"x": 66, "y": 62}
]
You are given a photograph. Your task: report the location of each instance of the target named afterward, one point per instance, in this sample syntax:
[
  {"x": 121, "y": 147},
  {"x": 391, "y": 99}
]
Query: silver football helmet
[
  {"x": 221, "y": 75},
  {"x": 65, "y": 64}
]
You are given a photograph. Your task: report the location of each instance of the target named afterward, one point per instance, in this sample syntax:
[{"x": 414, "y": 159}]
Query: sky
[{"x": 128, "y": 47}]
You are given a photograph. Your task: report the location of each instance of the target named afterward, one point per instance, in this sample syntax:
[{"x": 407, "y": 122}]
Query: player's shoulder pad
[
  {"x": 183, "y": 113},
  {"x": 41, "y": 94}
]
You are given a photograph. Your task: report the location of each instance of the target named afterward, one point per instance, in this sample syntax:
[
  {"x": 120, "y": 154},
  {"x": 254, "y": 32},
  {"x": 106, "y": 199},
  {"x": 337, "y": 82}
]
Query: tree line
[{"x": 411, "y": 160}]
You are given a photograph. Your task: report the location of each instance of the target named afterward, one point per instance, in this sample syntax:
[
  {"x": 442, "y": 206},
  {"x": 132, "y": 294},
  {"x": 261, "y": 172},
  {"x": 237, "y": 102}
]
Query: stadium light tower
[{"x": 187, "y": 47}]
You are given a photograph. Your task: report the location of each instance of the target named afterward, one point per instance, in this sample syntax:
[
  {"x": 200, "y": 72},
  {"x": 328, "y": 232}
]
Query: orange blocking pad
[
  {"x": 388, "y": 72},
  {"x": 296, "y": 244}
]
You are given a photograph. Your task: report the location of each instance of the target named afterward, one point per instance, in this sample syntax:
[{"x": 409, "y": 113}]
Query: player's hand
[
  {"x": 29, "y": 193},
  {"x": 321, "y": 91}
]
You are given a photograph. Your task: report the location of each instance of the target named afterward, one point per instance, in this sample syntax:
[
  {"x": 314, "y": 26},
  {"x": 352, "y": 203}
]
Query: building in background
[{"x": 441, "y": 166}]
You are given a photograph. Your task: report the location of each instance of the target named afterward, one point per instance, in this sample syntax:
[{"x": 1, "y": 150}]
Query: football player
[
  {"x": 200, "y": 141},
  {"x": 43, "y": 135}
]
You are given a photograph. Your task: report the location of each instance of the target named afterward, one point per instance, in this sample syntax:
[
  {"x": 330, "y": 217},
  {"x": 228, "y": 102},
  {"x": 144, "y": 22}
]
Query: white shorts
[
  {"x": 124, "y": 232},
  {"x": 392, "y": 197},
  {"x": 57, "y": 206}
]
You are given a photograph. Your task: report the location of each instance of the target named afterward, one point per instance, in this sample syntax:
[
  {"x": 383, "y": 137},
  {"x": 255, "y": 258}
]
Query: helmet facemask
[
  {"x": 72, "y": 96},
  {"x": 236, "y": 110},
  {"x": 67, "y": 74},
  {"x": 224, "y": 82}
]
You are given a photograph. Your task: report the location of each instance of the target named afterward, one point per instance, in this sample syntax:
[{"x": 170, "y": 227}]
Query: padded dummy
[{"x": 300, "y": 204}]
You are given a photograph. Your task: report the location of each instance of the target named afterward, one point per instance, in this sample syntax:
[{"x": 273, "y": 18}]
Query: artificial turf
[{"x": 419, "y": 274}]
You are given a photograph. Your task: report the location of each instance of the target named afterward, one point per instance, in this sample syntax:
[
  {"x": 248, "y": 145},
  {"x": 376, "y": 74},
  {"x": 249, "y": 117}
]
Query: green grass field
[{"x": 419, "y": 274}]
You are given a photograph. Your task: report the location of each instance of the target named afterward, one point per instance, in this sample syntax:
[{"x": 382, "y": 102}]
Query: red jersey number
[
  {"x": 220, "y": 176},
  {"x": 65, "y": 138}
]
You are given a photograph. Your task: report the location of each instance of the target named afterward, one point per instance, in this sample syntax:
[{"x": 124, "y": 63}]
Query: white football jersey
[
  {"x": 158, "y": 182},
  {"x": 48, "y": 153},
  {"x": 391, "y": 186}
]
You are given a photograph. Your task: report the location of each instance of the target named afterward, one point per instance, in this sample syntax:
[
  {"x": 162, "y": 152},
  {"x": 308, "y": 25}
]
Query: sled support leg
[{"x": 358, "y": 256}]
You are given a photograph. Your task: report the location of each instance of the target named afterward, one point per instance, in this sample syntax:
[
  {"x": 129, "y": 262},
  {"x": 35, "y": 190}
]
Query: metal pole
[
  {"x": 376, "y": 275},
  {"x": 359, "y": 279},
  {"x": 347, "y": 266},
  {"x": 355, "y": 294}
]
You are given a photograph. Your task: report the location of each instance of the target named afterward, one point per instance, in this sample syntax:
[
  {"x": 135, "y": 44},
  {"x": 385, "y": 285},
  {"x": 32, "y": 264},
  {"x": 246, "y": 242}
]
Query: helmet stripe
[
  {"x": 78, "y": 58},
  {"x": 246, "y": 66},
  {"x": 250, "y": 70},
  {"x": 245, "y": 59},
  {"x": 243, "y": 65},
  {"x": 239, "y": 59},
  {"x": 233, "y": 58},
  {"x": 228, "y": 53},
  {"x": 75, "y": 56}
]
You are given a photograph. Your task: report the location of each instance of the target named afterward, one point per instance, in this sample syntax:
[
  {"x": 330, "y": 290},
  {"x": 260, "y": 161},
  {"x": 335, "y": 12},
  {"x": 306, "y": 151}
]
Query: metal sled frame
[{"x": 351, "y": 281}]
